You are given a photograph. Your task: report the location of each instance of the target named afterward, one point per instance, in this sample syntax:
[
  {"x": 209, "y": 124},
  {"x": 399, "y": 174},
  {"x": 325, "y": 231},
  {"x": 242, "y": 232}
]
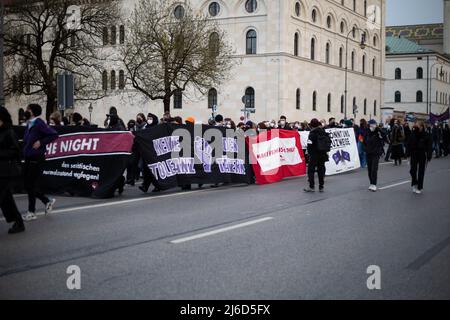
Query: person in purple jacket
[{"x": 37, "y": 135}]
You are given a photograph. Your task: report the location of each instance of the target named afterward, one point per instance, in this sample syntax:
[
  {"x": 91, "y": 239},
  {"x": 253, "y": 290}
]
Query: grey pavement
[{"x": 311, "y": 246}]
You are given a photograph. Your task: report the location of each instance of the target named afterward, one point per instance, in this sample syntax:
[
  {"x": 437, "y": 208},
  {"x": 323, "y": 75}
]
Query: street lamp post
[
  {"x": 431, "y": 84},
  {"x": 362, "y": 45},
  {"x": 90, "y": 109}
]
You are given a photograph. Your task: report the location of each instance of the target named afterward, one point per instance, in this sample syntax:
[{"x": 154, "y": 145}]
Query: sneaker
[
  {"x": 30, "y": 216},
  {"x": 16, "y": 228},
  {"x": 418, "y": 191},
  {"x": 49, "y": 206},
  {"x": 414, "y": 189},
  {"x": 373, "y": 188},
  {"x": 309, "y": 190}
]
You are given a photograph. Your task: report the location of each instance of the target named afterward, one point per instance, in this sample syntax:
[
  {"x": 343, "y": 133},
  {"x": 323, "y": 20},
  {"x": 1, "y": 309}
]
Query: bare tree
[
  {"x": 171, "y": 48},
  {"x": 43, "y": 38}
]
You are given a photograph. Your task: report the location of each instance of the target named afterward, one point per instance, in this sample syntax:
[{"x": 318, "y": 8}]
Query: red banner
[{"x": 275, "y": 155}]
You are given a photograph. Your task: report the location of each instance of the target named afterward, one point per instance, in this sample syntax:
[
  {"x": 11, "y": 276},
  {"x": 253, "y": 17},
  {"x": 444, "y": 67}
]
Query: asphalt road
[{"x": 241, "y": 242}]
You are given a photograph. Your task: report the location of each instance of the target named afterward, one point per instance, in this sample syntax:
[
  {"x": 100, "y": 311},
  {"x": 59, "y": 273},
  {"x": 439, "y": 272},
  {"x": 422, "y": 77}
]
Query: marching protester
[
  {"x": 397, "y": 137},
  {"x": 37, "y": 136},
  {"x": 115, "y": 123},
  {"x": 282, "y": 124},
  {"x": 446, "y": 139},
  {"x": 152, "y": 121},
  {"x": 319, "y": 143},
  {"x": 55, "y": 119},
  {"x": 436, "y": 133},
  {"x": 360, "y": 134},
  {"x": 374, "y": 141},
  {"x": 9, "y": 169},
  {"x": 420, "y": 149}
]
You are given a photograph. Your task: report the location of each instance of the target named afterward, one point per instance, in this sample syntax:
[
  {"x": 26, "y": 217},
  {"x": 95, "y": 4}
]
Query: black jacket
[
  {"x": 420, "y": 144},
  {"x": 9, "y": 150},
  {"x": 374, "y": 142},
  {"x": 314, "y": 154}
]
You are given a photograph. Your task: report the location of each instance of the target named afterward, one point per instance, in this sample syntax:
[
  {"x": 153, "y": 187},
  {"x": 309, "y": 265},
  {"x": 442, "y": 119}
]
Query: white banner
[{"x": 344, "y": 154}]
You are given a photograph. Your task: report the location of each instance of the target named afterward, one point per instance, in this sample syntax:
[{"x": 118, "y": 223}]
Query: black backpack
[{"x": 323, "y": 141}]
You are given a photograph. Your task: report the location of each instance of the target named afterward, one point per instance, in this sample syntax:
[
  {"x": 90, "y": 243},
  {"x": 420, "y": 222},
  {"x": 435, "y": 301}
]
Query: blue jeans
[{"x": 362, "y": 154}]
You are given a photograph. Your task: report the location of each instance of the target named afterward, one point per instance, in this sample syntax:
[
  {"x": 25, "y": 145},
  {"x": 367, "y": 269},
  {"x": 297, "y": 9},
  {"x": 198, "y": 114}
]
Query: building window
[
  {"x": 250, "y": 98},
  {"x": 419, "y": 73},
  {"x": 353, "y": 61},
  {"x": 121, "y": 80},
  {"x": 212, "y": 98},
  {"x": 251, "y": 42},
  {"x": 375, "y": 108},
  {"x": 122, "y": 34},
  {"x": 179, "y": 12},
  {"x": 354, "y": 5},
  {"x": 105, "y": 36},
  {"x": 354, "y": 105},
  {"x": 298, "y": 9},
  {"x": 313, "y": 49},
  {"x": 364, "y": 64},
  {"x": 113, "y": 80},
  {"x": 375, "y": 41},
  {"x": 398, "y": 97},
  {"x": 297, "y": 99},
  {"x": 329, "y": 103},
  {"x": 374, "y": 63},
  {"x": 327, "y": 53},
  {"x": 314, "y": 15},
  {"x": 214, "y": 44},
  {"x": 341, "y": 57},
  {"x": 342, "y": 103},
  {"x": 296, "y": 37},
  {"x": 314, "y": 101},
  {"x": 365, "y": 8},
  {"x": 251, "y": 6},
  {"x": 329, "y": 22},
  {"x": 113, "y": 35},
  {"x": 342, "y": 27},
  {"x": 398, "y": 74},
  {"x": 178, "y": 99},
  {"x": 105, "y": 80},
  {"x": 365, "y": 106},
  {"x": 354, "y": 32},
  {"x": 214, "y": 9},
  {"x": 419, "y": 96}
]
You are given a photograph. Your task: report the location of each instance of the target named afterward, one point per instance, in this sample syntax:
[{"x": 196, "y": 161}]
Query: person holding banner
[
  {"x": 9, "y": 169},
  {"x": 319, "y": 144},
  {"x": 420, "y": 149},
  {"x": 37, "y": 136},
  {"x": 374, "y": 140}
]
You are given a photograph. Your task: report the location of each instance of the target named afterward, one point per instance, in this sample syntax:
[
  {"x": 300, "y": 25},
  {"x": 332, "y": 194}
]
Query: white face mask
[
  {"x": 282, "y": 122},
  {"x": 149, "y": 121},
  {"x": 372, "y": 127}
]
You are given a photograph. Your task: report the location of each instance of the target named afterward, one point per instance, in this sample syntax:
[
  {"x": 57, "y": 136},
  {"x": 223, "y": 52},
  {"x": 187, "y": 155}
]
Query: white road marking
[
  {"x": 221, "y": 230},
  {"x": 115, "y": 203},
  {"x": 395, "y": 185}
]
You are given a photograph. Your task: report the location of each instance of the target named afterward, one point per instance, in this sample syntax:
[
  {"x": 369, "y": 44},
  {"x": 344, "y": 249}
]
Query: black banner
[{"x": 180, "y": 155}]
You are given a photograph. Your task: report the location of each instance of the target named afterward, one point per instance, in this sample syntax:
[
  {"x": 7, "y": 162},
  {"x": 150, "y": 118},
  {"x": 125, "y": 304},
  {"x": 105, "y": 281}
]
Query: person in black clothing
[
  {"x": 420, "y": 149},
  {"x": 9, "y": 157},
  {"x": 149, "y": 179},
  {"x": 446, "y": 139},
  {"x": 436, "y": 133},
  {"x": 374, "y": 141},
  {"x": 317, "y": 158}
]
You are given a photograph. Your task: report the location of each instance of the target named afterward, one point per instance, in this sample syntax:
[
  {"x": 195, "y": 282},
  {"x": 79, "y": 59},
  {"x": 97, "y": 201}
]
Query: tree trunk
[
  {"x": 51, "y": 105},
  {"x": 166, "y": 101}
]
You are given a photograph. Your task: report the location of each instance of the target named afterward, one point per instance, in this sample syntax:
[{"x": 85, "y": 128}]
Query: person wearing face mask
[
  {"x": 152, "y": 120},
  {"x": 37, "y": 136},
  {"x": 282, "y": 124},
  {"x": 420, "y": 149},
  {"x": 374, "y": 141},
  {"x": 140, "y": 122}
]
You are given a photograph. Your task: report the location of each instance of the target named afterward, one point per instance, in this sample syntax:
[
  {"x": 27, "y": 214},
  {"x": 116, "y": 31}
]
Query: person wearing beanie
[
  {"x": 219, "y": 120},
  {"x": 36, "y": 138},
  {"x": 374, "y": 140},
  {"x": 190, "y": 120},
  {"x": 319, "y": 144}
]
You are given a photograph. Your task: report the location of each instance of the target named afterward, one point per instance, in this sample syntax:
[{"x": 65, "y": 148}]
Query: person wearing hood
[
  {"x": 420, "y": 149},
  {"x": 9, "y": 169},
  {"x": 152, "y": 120},
  {"x": 374, "y": 140},
  {"x": 115, "y": 123}
]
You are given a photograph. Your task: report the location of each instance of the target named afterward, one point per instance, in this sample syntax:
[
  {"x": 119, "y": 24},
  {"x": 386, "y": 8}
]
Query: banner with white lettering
[
  {"x": 180, "y": 155},
  {"x": 275, "y": 155}
]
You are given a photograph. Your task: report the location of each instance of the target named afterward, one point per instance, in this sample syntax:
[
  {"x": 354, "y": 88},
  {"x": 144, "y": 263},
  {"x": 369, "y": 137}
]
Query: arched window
[
  {"x": 342, "y": 103},
  {"x": 365, "y": 106},
  {"x": 178, "y": 99},
  {"x": 419, "y": 73},
  {"x": 297, "y": 99},
  {"x": 214, "y": 9},
  {"x": 374, "y": 64},
  {"x": 212, "y": 98},
  {"x": 354, "y": 5},
  {"x": 329, "y": 22},
  {"x": 250, "y": 98},
  {"x": 341, "y": 57},
  {"x": 105, "y": 80},
  {"x": 353, "y": 61},
  {"x": 354, "y": 32},
  {"x": 121, "y": 34},
  {"x": 354, "y": 105},
  {"x": 113, "y": 80},
  {"x": 398, "y": 97},
  {"x": 314, "y": 15},
  {"x": 375, "y": 108},
  {"x": 113, "y": 35},
  {"x": 419, "y": 96},
  {"x": 179, "y": 12},
  {"x": 105, "y": 36},
  {"x": 327, "y": 53},
  {"x": 398, "y": 74},
  {"x": 313, "y": 49},
  {"x": 364, "y": 64},
  {"x": 214, "y": 44},
  {"x": 251, "y": 6},
  {"x": 296, "y": 37},
  {"x": 329, "y": 103},
  {"x": 298, "y": 9},
  {"x": 375, "y": 41},
  {"x": 342, "y": 27},
  {"x": 314, "y": 101},
  {"x": 121, "y": 79},
  {"x": 251, "y": 42},
  {"x": 365, "y": 8}
]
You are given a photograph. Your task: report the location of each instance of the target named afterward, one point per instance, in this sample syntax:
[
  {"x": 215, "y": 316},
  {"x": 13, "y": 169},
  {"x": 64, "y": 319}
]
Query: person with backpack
[
  {"x": 420, "y": 149},
  {"x": 374, "y": 140},
  {"x": 319, "y": 144}
]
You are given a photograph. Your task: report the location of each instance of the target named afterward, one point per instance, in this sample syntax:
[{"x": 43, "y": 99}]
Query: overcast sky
[{"x": 404, "y": 12}]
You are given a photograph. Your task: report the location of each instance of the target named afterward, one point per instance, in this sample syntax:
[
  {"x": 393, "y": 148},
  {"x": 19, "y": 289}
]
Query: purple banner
[{"x": 440, "y": 118}]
